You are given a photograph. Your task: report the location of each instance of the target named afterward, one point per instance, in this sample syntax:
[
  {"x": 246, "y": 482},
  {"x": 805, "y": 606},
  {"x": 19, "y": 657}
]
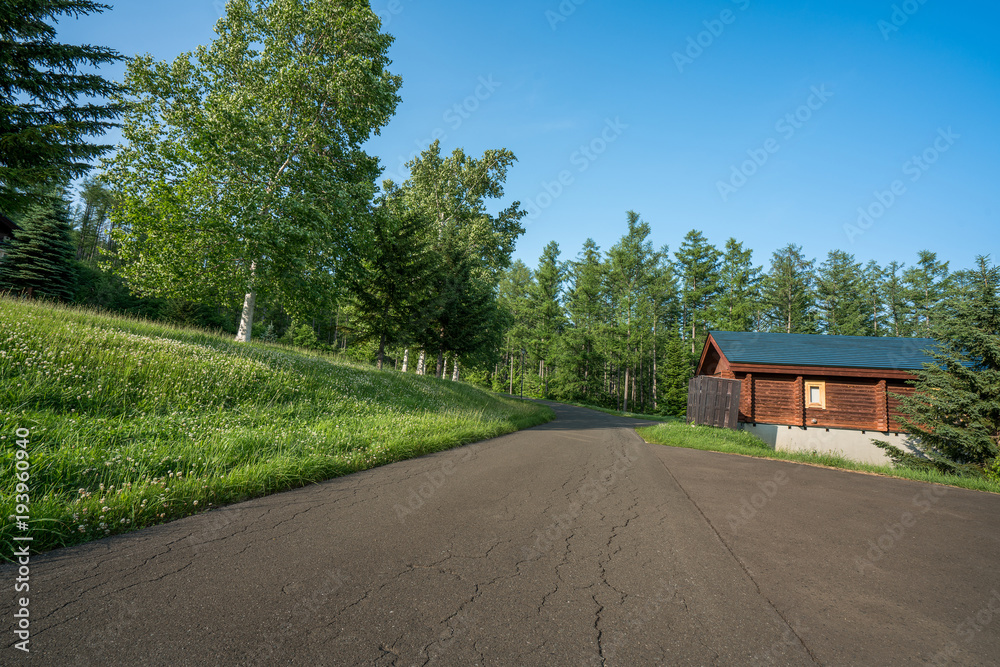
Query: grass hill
[{"x": 134, "y": 423}]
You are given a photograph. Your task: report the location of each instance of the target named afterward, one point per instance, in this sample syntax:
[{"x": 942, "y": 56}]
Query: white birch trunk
[
  {"x": 246, "y": 319},
  {"x": 422, "y": 363},
  {"x": 406, "y": 359},
  {"x": 454, "y": 371}
]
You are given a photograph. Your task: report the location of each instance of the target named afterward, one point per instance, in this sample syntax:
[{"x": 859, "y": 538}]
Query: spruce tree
[
  {"x": 788, "y": 290},
  {"x": 678, "y": 374},
  {"x": 954, "y": 412},
  {"x": 698, "y": 269},
  {"x": 391, "y": 280},
  {"x": 546, "y": 310},
  {"x": 739, "y": 289},
  {"x": 580, "y": 359},
  {"x": 44, "y": 123},
  {"x": 897, "y": 307},
  {"x": 40, "y": 260},
  {"x": 840, "y": 297},
  {"x": 873, "y": 294},
  {"x": 927, "y": 284}
]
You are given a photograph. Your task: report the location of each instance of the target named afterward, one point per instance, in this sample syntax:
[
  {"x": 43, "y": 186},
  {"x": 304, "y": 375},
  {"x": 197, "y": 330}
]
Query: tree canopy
[
  {"x": 49, "y": 110},
  {"x": 243, "y": 168},
  {"x": 954, "y": 412},
  {"x": 40, "y": 260}
]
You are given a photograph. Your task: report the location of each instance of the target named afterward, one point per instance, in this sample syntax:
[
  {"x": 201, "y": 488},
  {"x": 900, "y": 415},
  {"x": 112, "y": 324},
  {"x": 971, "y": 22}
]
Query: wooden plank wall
[
  {"x": 773, "y": 399},
  {"x": 855, "y": 403},
  {"x": 893, "y": 403},
  {"x": 713, "y": 401}
]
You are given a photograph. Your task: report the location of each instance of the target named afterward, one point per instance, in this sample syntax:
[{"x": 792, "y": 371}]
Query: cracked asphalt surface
[{"x": 572, "y": 543}]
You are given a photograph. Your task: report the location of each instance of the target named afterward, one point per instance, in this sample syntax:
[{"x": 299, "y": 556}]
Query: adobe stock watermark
[
  {"x": 453, "y": 117},
  {"x": 562, "y": 13},
  {"x": 22, "y": 543},
  {"x": 392, "y": 8},
  {"x": 791, "y": 637},
  {"x": 750, "y": 507},
  {"x": 582, "y": 159},
  {"x": 786, "y": 126},
  {"x": 714, "y": 28},
  {"x": 969, "y": 629},
  {"x": 589, "y": 492},
  {"x": 914, "y": 168},
  {"x": 462, "y": 623},
  {"x": 268, "y": 643},
  {"x": 421, "y": 493},
  {"x": 894, "y": 532},
  {"x": 901, "y": 13}
]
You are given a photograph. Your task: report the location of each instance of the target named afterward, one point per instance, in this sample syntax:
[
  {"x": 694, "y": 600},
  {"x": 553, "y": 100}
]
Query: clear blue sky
[{"x": 668, "y": 98}]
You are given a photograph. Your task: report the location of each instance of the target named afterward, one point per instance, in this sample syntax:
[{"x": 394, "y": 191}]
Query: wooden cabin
[{"x": 838, "y": 391}]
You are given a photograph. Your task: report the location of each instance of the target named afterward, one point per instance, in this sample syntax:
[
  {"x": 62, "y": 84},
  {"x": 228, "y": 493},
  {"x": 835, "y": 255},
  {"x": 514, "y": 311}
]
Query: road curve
[{"x": 571, "y": 543}]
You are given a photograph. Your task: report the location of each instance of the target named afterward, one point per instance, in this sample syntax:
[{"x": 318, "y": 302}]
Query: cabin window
[{"x": 816, "y": 395}]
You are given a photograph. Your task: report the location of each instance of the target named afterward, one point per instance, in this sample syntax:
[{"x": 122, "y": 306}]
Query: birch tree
[{"x": 242, "y": 169}]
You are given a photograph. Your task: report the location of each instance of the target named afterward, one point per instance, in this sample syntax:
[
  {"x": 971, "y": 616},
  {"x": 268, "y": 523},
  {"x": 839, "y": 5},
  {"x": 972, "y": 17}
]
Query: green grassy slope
[{"x": 134, "y": 423}]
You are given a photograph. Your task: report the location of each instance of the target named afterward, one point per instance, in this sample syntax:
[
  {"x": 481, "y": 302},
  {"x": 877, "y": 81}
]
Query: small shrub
[{"x": 992, "y": 470}]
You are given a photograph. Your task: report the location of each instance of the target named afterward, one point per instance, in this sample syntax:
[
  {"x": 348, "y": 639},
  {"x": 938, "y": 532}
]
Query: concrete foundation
[{"x": 849, "y": 443}]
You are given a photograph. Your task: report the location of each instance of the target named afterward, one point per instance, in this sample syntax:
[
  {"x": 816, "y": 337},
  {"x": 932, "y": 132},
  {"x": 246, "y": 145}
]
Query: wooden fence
[{"x": 713, "y": 401}]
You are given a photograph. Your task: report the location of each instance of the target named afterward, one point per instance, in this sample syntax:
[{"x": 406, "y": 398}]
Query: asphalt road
[{"x": 572, "y": 543}]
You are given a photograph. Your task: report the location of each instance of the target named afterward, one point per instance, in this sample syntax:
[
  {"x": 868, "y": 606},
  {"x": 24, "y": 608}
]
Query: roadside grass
[
  {"x": 739, "y": 442},
  {"x": 134, "y": 423}
]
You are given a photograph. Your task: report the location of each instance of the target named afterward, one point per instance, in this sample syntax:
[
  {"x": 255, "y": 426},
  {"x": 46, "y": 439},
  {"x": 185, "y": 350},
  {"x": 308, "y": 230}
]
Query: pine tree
[
  {"x": 897, "y": 307},
  {"x": 698, "y": 270},
  {"x": 927, "y": 285},
  {"x": 954, "y": 412},
  {"x": 516, "y": 284},
  {"x": 739, "y": 289},
  {"x": 40, "y": 260},
  {"x": 580, "y": 358},
  {"x": 788, "y": 291},
  {"x": 873, "y": 294},
  {"x": 92, "y": 220},
  {"x": 44, "y": 127},
  {"x": 839, "y": 295},
  {"x": 546, "y": 311},
  {"x": 629, "y": 272}
]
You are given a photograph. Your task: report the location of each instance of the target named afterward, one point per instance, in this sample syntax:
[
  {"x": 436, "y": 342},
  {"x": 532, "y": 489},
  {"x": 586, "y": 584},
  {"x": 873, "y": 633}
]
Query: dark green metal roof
[{"x": 903, "y": 354}]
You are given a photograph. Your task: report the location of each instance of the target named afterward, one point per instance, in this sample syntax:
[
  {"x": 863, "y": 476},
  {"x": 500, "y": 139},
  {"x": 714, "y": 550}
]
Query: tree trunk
[
  {"x": 454, "y": 372},
  {"x": 512, "y": 374},
  {"x": 625, "y": 402},
  {"x": 381, "y": 349},
  {"x": 406, "y": 358},
  {"x": 246, "y": 319},
  {"x": 440, "y": 364},
  {"x": 422, "y": 363},
  {"x": 654, "y": 366}
]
